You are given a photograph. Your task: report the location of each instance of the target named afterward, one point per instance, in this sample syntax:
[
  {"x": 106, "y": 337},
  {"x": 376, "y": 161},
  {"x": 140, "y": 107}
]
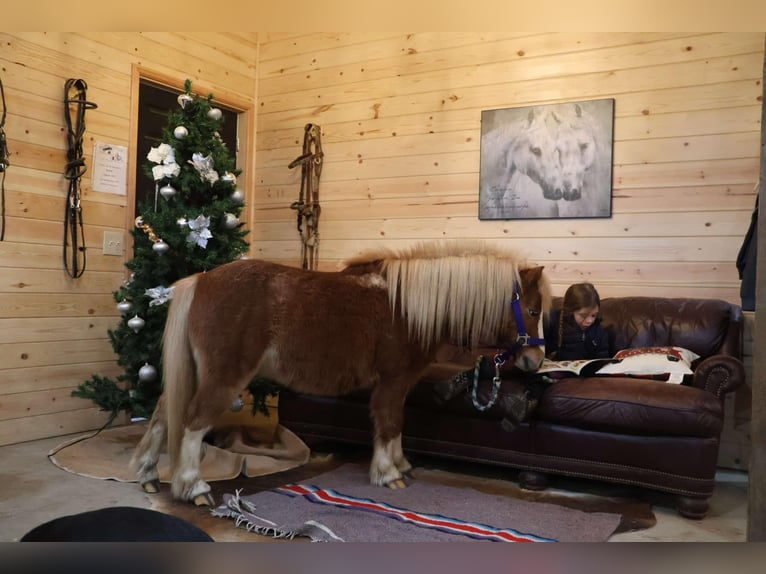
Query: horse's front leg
[{"x": 387, "y": 410}]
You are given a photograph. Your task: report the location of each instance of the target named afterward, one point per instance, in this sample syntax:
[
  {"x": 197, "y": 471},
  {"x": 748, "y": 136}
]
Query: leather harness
[
  {"x": 307, "y": 206},
  {"x": 3, "y": 161},
  {"x": 74, "y": 254}
]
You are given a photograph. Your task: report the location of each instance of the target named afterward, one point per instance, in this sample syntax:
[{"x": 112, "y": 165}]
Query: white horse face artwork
[
  {"x": 574, "y": 154},
  {"x": 547, "y": 161}
]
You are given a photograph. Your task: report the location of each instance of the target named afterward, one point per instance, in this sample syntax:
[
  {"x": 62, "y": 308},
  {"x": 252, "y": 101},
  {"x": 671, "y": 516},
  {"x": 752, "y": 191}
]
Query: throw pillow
[{"x": 667, "y": 363}]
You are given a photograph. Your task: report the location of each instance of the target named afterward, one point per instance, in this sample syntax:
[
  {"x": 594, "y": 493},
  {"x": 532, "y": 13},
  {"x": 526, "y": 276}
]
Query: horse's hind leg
[
  {"x": 386, "y": 408},
  {"x": 207, "y": 404},
  {"x": 187, "y": 481},
  {"x": 147, "y": 453}
]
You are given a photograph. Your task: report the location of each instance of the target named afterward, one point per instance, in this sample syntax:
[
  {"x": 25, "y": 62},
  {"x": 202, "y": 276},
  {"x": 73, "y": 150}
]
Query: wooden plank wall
[
  {"x": 401, "y": 120},
  {"x": 400, "y": 116},
  {"x": 53, "y": 329}
]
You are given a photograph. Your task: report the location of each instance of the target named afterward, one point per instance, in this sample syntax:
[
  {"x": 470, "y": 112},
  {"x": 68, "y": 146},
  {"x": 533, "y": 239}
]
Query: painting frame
[{"x": 548, "y": 161}]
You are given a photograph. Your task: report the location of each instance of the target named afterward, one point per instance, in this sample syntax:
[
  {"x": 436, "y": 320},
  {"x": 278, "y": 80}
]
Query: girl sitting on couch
[{"x": 572, "y": 332}]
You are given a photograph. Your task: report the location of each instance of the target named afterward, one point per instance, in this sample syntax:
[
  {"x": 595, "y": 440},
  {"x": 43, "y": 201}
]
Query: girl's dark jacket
[{"x": 592, "y": 343}]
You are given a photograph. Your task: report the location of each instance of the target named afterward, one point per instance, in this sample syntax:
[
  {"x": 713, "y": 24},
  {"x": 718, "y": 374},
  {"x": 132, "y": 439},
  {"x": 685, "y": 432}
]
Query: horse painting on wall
[{"x": 550, "y": 161}]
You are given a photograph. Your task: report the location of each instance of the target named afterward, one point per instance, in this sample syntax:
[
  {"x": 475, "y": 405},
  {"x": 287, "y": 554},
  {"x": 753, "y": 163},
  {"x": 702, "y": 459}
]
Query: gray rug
[{"x": 341, "y": 506}]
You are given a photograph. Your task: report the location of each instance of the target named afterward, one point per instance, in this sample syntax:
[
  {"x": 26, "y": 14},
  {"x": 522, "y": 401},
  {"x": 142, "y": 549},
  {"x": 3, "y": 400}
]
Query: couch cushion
[{"x": 632, "y": 406}]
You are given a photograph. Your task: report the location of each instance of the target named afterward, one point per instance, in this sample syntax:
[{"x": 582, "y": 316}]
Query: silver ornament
[
  {"x": 184, "y": 99},
  {"x": 229, "y": 177},
  {"x": 237, "y": 404},
  {"x": 160, "y": 247},
  {"x": 182, "y": 222},
  {"x": 147, "y": 372},
  {"x": 230, "y": 221},
  {"x": 167, "y": 191},
  {"x": 238, "y": 197},
  {"x": 136, "y": 323},
  {"x": 124, "y": 306},
  {"x": 180, "y": 132},
  {"x": 214, "y": 114}
]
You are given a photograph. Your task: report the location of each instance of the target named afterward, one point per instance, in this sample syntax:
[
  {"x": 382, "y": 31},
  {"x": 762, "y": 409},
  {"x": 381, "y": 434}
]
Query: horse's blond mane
[{"x": 466, "y": 286}]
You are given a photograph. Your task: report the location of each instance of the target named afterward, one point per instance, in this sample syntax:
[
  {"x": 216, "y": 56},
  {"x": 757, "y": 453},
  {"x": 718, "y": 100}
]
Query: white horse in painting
[{"x": 550, "y": 155}]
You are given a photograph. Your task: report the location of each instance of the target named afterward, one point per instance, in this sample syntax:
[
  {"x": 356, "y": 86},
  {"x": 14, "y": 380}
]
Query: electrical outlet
[{"x": 113, "y": 243}]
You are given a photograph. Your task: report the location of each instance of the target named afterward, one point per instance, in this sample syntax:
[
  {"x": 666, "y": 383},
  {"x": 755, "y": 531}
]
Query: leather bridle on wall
[
  {"x": 75, "y": 104},
  {"x": 4, "y": 163},
  {"x": 307, "y": 205}
]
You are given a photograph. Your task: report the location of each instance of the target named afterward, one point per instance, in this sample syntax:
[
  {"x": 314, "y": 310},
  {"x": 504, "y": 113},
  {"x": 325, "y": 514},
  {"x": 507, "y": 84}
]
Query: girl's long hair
[{"x": 578, "y": 296}]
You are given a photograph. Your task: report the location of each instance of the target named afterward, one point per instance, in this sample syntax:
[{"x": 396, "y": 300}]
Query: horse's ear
[{"x": 532, "y": 275}]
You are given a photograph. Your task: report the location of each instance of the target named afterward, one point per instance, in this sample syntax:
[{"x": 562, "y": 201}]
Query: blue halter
[{"x": 522, "y": 340}]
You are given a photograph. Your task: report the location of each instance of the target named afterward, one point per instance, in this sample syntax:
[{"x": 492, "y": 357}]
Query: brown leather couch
[{"x": 640, "y": 432}]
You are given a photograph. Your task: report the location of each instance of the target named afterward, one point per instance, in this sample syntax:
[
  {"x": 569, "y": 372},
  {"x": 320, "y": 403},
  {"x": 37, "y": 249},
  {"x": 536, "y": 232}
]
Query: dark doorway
[{"x": 154, "y": 105}]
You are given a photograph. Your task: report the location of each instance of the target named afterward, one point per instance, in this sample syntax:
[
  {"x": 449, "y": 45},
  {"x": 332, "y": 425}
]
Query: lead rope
[
  {"x": 307, "y": 206},
  {"x": 74, "y": 262},
  {"x": 4, "y": 163}
]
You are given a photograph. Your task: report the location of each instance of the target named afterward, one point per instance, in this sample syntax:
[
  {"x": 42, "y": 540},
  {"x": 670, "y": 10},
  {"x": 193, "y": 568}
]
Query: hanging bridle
[
  {"x": 3, "y": 162},
  {"x": 522, "y": 340},
  {"x": 307, "y": 206},
  {"x": 74, "y": 253}
]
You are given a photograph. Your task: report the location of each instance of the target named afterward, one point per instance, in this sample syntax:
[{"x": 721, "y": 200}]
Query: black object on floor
[{"x": 117, "y": 524}]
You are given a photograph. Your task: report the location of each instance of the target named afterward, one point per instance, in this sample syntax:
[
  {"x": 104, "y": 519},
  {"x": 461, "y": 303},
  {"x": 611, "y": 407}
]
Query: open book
[{"x": 580, "y": 367}]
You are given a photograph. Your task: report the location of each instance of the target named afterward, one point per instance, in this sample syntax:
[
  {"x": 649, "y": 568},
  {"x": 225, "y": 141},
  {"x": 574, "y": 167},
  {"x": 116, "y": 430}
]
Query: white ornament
[
  {"x": 238, "y": 197},
  {"x": 180, "y": 132},
  {"x": 182, "y": 222},
  {"x": 167, "y": 191},
  {"x": 147, "y": 372},
  {"x": 199, "y": 231},
  {"x": 160, "y": 247},
  {"x": 165, "y": 156},
  {"x": 229, "y": 177},
  {"x": 204, "y": 165},
  {"x": 230, "y": 221},
  {"x": 214, "y": 114},
  {"x": 124, "y": 306},
  {"x": 136, "y": 323},
  {"x": 184, "y": 99},
  {"x": 159, "y": 295}
]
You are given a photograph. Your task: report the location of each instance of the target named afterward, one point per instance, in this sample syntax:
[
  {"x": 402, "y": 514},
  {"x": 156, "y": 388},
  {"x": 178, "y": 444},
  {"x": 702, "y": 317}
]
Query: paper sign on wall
[{"x": 110, "y": 167}]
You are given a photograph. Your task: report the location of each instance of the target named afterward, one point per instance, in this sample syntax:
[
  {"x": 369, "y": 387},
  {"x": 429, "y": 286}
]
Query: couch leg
[
  {"x": 531, "y": 480},
  {"x": 693, "y": 508}
]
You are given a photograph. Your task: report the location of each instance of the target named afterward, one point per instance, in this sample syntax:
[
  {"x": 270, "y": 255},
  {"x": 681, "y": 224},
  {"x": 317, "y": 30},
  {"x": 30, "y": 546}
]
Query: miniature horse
[{"x": 377, "y": 324}]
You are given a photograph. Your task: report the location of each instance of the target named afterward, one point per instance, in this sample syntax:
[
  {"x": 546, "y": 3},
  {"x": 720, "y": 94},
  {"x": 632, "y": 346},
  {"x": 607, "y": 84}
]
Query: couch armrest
[{"x": 719, "y": 374}]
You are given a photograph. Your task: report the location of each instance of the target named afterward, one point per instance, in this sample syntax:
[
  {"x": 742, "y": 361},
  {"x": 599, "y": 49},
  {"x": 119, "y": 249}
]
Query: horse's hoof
[
  {"x": 204, "y": 500},
  {"x": 396, "y": 484},
  {"x": 151, "y": 487}
]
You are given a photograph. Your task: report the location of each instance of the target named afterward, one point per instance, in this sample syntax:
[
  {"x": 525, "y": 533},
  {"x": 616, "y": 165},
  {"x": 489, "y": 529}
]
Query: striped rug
[{"x": 341, "y": 506}]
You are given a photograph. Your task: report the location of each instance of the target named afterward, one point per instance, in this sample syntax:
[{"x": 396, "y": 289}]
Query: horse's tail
[{"x": 178, "y": 375}]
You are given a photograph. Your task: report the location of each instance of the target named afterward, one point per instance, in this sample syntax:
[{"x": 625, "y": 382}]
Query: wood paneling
[
  {"x": 54, "y": 329},
  {"x": 401, "y": 119}
]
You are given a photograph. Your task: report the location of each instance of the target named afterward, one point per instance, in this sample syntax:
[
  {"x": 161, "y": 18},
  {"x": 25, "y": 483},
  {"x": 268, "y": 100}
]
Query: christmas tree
[{"x": 191, "y": 224}]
